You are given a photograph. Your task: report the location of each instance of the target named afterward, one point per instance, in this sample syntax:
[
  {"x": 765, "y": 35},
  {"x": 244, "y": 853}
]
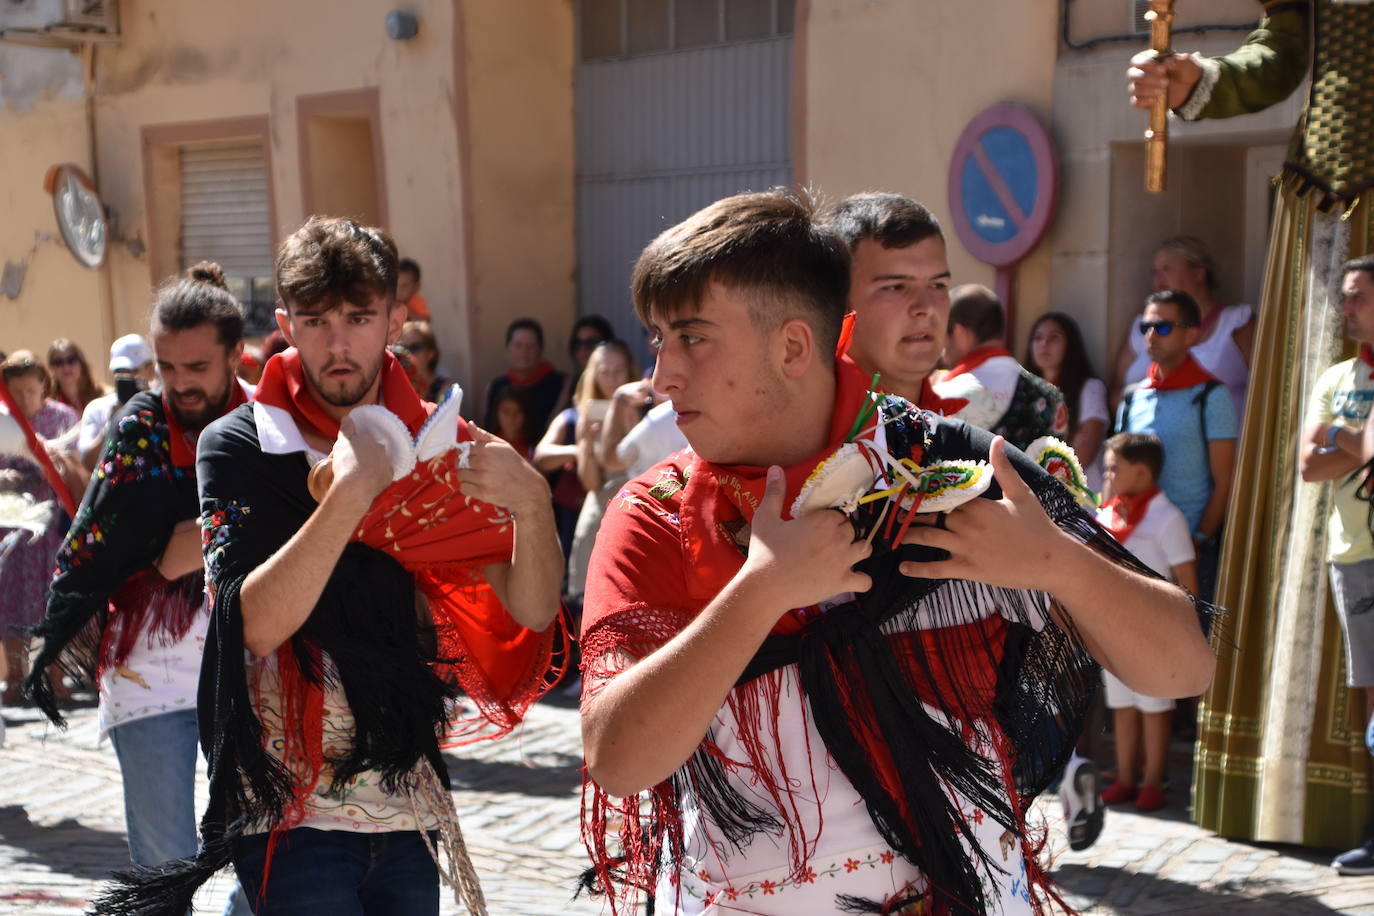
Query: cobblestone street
[{"x": 62, "y": 822}]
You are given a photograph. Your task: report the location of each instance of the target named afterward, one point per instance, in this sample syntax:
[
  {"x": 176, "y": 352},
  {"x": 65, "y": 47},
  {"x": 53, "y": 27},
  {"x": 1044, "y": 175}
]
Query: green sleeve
[{"x": 1262, "y": 72}]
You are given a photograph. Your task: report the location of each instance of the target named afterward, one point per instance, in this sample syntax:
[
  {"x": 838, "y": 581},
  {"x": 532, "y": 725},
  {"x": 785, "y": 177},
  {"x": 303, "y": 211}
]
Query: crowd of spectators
[
  {"x": 592, "y": 428},
  {"x": 588, "y": 434}
]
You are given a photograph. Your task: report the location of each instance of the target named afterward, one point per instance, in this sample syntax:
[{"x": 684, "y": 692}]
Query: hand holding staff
[{"x": 1161, "y": 18}]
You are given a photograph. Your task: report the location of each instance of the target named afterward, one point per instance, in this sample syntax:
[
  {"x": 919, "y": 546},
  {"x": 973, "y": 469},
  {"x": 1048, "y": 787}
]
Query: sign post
[{"x": 1003, "y": 189}]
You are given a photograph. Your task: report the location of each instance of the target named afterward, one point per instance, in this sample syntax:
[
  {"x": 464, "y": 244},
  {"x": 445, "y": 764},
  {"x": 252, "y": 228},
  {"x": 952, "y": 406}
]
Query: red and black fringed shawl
[
  {"x": 403, "y": 676},
  {"x": 674, "y": 538},
  {"x": 106, "y": 593}
]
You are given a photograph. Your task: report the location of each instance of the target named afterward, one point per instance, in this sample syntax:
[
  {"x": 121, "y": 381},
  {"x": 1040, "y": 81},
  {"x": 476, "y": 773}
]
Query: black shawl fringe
[
  {"x": 739, "y": 819},
  {"x": 122, "y": 526},
  {"x": 164, "y": 890}
]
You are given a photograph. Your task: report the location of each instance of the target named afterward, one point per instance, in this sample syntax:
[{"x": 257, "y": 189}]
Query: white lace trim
[{"x": 1202, "y": 92}]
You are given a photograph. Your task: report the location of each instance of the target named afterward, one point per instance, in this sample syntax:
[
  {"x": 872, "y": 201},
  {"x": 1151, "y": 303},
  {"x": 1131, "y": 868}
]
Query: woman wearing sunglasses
[
  {"x": 1225, "y": 336},
  {"x": 73, "y": 383}
]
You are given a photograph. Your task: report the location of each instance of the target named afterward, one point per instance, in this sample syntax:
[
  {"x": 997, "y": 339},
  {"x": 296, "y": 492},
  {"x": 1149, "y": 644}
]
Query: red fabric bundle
[{"x": 444, "y": 539}]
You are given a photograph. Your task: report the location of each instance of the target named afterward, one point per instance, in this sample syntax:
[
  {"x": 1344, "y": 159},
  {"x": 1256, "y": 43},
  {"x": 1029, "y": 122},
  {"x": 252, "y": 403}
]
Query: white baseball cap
[{"x": 129, "y": 352}]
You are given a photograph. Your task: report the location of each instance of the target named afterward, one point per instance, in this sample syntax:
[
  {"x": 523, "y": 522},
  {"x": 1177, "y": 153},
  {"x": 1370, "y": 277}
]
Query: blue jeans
[
  {"x": 339, "y": 873},
  {"x": 157, "y": 759}
]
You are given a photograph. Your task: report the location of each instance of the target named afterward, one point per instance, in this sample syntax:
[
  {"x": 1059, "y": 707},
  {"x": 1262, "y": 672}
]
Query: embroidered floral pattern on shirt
[
  {"x": 668, "y": 485},
  {"x": 139, "y": 448},
  {"x": 809, "y": 875},
  {"x": 82, "y": 539},
  {"x": 666, "y": 496},
  {"x": 217, "y": 529}
]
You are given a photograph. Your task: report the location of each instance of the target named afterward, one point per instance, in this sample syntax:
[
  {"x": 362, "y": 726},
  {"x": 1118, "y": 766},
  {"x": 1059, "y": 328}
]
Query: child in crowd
[
  {"x": 512, "y": 422},
  {"x": 1141, "y": 517}
]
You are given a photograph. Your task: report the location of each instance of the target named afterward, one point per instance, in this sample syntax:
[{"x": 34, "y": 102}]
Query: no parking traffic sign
[
  {"x": 1003, "y": 184},
  {"x": 1003, "y": 187}
]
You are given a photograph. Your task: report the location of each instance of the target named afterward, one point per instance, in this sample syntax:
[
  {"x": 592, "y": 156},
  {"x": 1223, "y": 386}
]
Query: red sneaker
[
  {"x": 1150, "y": 798},
  {"x": 1118, "y": 792}
]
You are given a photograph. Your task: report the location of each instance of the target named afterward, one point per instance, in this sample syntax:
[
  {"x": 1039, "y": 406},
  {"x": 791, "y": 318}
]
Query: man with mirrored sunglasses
[{"x": 1190, "y": 411}]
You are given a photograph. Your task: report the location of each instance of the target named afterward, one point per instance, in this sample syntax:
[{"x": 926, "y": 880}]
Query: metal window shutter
[
  {"x": 224, "y": 208},
  {"x": 659, "y": 137}
]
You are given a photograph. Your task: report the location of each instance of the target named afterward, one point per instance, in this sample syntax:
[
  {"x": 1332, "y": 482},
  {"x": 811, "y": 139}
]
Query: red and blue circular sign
[{"x": 1003, "y": 184}]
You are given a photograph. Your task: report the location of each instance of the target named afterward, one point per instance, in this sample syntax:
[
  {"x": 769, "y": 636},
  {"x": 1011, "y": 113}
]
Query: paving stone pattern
[{"x": 62, "y": 832}]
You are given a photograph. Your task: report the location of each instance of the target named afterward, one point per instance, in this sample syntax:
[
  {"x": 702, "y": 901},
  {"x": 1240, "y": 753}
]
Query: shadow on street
[
  {"x": 542, "y": 775},
  {"x": 1136, "y": 892},
  {"x": 81, "y": 850}
]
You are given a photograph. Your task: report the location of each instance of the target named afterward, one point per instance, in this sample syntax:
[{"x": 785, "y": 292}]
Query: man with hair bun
[
  {"x": 127, "y": 608},
  {"x": 365, "y": 571}
]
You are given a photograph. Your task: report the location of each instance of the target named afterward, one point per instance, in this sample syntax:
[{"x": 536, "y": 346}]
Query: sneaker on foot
[
  {"x": 1150, "y": 798},
  {"x": 1358, "y": 861},
  {"x": 1118, "y": 792},
  {"x": 1083, "y": 811}
]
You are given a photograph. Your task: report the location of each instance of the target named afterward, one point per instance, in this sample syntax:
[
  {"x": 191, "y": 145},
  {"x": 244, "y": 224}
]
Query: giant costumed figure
[{"x": 1280, "y": 753}]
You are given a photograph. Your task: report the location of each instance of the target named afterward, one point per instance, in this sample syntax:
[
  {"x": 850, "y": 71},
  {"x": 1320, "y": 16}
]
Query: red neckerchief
[
  {"x": 1125, "y": 512},
  {"x": 846, "y": 334},
  {"x": 718, "y": 498},
  {"x": 931, "y": 400},
  {"x": 184, "y": 440},
  {"x": 533, "y": 377},
  {"x": 927, "y": 400},
  {"x": 283, "y": 385},
  {"x": 976, "y": 357},
  {"x": 1188, "y": 374},
  {"x": 1367, "y": 357},
  {"x": 717, "y": 495}
]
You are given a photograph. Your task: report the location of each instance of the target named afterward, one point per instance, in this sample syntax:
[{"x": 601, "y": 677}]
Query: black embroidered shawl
[{"x": 135, "y": 498}]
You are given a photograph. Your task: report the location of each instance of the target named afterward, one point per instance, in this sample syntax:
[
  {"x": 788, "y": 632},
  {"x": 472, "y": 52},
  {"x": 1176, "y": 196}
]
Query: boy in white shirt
[{"x": 1142, "y": 519}]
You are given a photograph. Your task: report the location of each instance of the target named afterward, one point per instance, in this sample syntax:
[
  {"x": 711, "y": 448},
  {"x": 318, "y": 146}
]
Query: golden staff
[{"x": 1161, "y": 19}]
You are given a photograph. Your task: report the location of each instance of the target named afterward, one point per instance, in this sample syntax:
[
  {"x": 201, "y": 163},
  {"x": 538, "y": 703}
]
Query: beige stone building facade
[
  {"x": 306, "y": 108},
  {"x": 484, "y": 141},
  {"x": 888, "y": 86}
]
